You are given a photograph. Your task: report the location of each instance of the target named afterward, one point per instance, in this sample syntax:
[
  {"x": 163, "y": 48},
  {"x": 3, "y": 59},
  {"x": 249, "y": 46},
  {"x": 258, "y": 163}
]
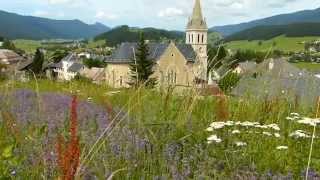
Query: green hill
[
  {"x": 269, "y": 32},
  {"x": 310, "y": 16},
  {"x": 14, "y": 26},
  {"x": 128, "y": 34},
  {"x": 283, "y": 43}
]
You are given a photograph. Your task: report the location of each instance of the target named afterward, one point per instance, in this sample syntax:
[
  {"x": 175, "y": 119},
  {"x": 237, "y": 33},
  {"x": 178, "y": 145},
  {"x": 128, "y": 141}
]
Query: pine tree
[
  {"x": 141, "y": 67},
  {"x": 38, "y": 60}
]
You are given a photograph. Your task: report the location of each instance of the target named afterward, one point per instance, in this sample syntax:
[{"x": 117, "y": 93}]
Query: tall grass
[{"x": 162, "y": 135}]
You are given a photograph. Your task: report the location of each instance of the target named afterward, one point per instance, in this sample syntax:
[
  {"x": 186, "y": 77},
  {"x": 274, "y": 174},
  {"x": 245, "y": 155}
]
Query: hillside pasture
[
  {"x": 287, "y": 44},
  {"x": 30, "y": 46}
]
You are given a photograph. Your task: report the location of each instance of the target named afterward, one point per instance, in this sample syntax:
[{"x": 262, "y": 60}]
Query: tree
[
  {"x": 58, "y": 55},
  {"x": 215, "y": 57},
  {"x": 228, "y": 82},
  {"x": 37, "y": 63},
  {"x": 7, "y": 44},
  {"x": 141, "y": 67}
]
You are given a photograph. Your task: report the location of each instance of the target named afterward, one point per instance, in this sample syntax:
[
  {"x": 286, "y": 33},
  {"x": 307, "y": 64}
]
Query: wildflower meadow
[{"x": 79, "y": 130}]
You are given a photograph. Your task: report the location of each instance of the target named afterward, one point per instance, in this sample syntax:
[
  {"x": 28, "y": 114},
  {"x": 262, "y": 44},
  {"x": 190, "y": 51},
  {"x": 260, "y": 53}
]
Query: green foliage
[
  {"x": 215, "y": 56},
  {"x": 228, "y": 82},
  {"x": 28, "y": 46},
  {"x": 90, "y": 63},
  {"x": 127, "y": 34},
  {"x": 7, "y": 44},
  {"x": 163, "y": 134},
  {"x": 287, "y": 44},
  {"x": 37, "y": 63},
  {"x": 141, "y": 68},
  {"x": 250, "y": 55},
  {"x": 214, "y": 38},
  {"x": 58, "y": 55}
]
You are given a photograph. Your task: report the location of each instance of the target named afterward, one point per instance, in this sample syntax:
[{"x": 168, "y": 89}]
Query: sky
[{"x": 166, "y": 14}]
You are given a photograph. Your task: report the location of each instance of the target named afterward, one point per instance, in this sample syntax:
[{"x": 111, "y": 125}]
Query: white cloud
[
  {"x": 104, "y": 15},
  {"x": 40, "y": 13},
  {"x": 171, "y": 12},
  {"x": 59, "y": 1}
]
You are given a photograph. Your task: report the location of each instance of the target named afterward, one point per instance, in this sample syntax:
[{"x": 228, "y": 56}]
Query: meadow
[
  {"x": 30, "y": 46},
  {"x": 154, "y": 134},
  {"x": 287, "y": 44}
]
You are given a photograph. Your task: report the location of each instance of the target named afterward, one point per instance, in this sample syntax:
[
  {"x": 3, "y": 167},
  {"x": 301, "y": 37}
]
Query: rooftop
[{"x": 125, "y": 52}]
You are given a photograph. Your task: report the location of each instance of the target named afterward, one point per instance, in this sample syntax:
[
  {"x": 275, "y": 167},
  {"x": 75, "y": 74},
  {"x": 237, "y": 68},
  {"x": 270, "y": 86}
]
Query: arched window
[{"x": 198, "y": 38}]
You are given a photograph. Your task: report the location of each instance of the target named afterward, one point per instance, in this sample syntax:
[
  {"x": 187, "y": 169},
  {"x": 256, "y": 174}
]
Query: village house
[
  {"x": 68, "y": 68},
  {"x": 10, "y": 60},
  {"x": 175, "y": 64}
]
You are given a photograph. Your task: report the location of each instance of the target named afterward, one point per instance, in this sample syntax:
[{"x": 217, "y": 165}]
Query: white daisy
[
  {"x": 267, "y": 133},
  {"x": 235, "y": 132},
  {"x": 299, "y": 134},
  {"x": 274, "y": 126},
  {"x": 214, "y": 138},
  {"x": 309, "y": 121},
  {"x": 277, "y": 135},
  {"x": 217, "y": 125},
  {"x": 209, "y": 129},
  {"x": 282, "y": 147},
  {"x": 240, "y": 144}
]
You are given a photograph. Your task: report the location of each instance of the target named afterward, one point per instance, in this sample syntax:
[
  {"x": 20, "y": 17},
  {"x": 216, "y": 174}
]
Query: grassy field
[
  {"x": 30, "y": 46},
  {"x": 282, "y": 43},
  {"x": 309, "y": 66},
  {"x": 154, "y": 134}
]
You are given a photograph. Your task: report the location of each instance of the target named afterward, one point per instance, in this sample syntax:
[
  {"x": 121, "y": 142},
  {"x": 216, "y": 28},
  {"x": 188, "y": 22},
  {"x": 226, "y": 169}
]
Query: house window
[{"x": 198, "y": 38}]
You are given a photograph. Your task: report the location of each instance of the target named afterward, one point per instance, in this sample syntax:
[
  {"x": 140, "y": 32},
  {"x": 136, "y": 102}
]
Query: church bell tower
[{"x": 197, "y": 37}]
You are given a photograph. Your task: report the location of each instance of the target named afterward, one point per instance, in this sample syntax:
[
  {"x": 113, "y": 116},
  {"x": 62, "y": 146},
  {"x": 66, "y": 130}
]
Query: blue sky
[{"x": 168, "y": 14}]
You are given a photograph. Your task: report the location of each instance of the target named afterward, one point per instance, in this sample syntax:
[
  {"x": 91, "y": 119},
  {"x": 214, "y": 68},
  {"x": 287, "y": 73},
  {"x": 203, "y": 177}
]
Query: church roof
[
  {"x": 125, "y": 52},
  {"x": 197, "y": 21}
]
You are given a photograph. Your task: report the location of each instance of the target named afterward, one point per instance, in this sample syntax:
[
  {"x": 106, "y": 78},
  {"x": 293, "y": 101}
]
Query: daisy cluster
[{"x": 215, "y": 126}]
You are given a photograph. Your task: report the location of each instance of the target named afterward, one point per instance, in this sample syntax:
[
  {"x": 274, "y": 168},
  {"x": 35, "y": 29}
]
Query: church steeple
[
  {"x": 197, "y": 21},
  {"x": 197, "y": 37}
]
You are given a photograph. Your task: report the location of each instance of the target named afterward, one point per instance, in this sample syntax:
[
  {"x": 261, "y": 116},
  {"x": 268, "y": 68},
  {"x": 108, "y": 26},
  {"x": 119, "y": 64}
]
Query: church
[{"x": 175, "y": 64}]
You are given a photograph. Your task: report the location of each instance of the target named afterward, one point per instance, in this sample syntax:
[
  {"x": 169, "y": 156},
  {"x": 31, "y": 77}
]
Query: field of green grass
[
  {"x": 153, "y": 134},
  {"x": 30, "y": 46},
  {"x": 312, "y": 67},
  {"x": 294, "y": 44}
]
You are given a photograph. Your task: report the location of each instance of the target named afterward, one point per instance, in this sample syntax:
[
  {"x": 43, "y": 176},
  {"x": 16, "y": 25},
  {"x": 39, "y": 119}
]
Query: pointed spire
[
  {"x": 197, "y": 21},
  {"x": 197, "y": 13}
]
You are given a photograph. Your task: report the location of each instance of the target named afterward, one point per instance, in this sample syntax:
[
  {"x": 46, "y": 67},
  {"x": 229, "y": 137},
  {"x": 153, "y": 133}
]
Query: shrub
[{"x": 229, "y": 81}]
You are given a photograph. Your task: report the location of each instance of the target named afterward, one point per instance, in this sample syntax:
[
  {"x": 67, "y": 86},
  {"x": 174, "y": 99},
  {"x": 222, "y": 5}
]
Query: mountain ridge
[
  {"x": 304, "y": 16},
  {"x": 15, "y": 26}
]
